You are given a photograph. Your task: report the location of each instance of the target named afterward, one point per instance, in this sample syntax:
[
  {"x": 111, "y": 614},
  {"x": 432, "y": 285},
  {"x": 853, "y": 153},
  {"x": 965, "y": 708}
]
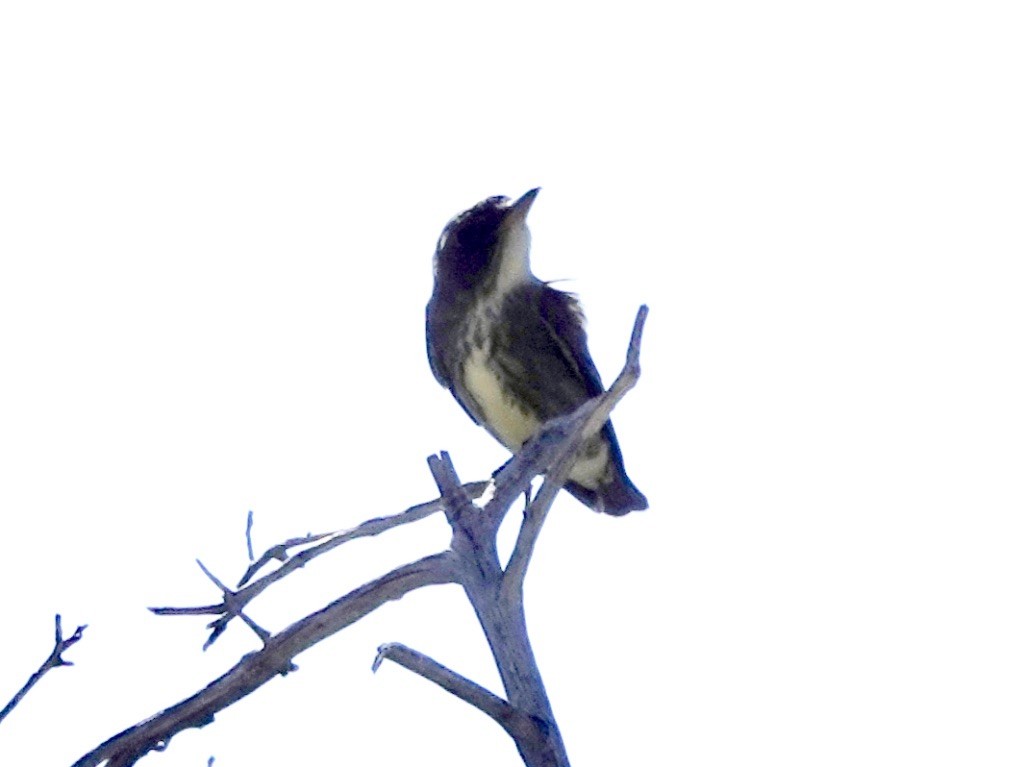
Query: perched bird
[{"x": 512, "y": 349}]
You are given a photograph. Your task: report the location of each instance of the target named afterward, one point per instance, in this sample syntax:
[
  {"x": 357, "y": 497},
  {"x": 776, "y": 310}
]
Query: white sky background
[{"x": 216, "y": 230}]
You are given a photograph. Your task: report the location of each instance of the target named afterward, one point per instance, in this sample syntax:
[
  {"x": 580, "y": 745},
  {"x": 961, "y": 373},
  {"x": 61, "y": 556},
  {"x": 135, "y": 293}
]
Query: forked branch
[
  {"x": 496, "y": 594},
  {"x": 54, "y": 660}
]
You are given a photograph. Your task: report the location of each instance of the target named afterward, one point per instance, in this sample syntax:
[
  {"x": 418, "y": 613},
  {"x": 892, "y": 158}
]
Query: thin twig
[
  {"x": 60, "y": 644},
  {"x": 371, "y": 527},
  {"x": 249, "y": 535},
  {"x": 279, "y": 552}
]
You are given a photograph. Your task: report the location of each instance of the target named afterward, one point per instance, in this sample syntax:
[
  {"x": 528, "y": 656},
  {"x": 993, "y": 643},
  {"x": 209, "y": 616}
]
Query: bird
[{"x": 512, "y": 349}]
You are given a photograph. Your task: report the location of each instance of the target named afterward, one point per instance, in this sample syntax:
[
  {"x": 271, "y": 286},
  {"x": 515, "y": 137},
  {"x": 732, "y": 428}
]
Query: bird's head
[{"x": 486, "y": 244}]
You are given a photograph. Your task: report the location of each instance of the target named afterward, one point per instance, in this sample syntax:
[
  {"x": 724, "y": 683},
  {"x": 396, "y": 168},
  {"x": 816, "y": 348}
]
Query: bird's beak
[{"x": 518, "y": 210}]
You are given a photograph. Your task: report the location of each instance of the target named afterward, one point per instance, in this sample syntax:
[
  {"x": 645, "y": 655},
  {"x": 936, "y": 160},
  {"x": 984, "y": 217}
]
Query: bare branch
[
  {"x": 55, "y": 659},
  {"x": 256, "y": 669},
  {"x": 366, "y": 529},
  {"x": 464, "y": 689},
  {"x": 371, "y": 527}
]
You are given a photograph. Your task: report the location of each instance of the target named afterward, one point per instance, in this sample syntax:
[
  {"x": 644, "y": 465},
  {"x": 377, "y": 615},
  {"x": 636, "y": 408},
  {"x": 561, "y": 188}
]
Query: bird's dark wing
[
  {"x": 436, "y": 333},
  {"x": 565, "y": 320},
  {"x": 543, "y": 351},
  {"x": 442, "y": 335},
  {"x": 561, "y": 336}
]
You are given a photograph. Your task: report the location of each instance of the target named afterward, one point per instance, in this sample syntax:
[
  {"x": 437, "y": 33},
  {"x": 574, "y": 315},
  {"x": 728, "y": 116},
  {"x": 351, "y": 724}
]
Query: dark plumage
[{"x": 512, "y": 349}]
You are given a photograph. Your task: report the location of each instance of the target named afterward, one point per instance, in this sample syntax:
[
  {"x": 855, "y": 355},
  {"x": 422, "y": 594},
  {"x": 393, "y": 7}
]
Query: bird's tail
[{"x": 617, "y": 498}]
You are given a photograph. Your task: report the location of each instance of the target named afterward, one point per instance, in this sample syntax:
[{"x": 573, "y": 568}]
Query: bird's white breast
[{"x": 511, "y": 424}]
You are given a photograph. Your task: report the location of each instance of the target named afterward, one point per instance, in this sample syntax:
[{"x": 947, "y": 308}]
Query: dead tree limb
[{"x": 494, "y": 591}]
